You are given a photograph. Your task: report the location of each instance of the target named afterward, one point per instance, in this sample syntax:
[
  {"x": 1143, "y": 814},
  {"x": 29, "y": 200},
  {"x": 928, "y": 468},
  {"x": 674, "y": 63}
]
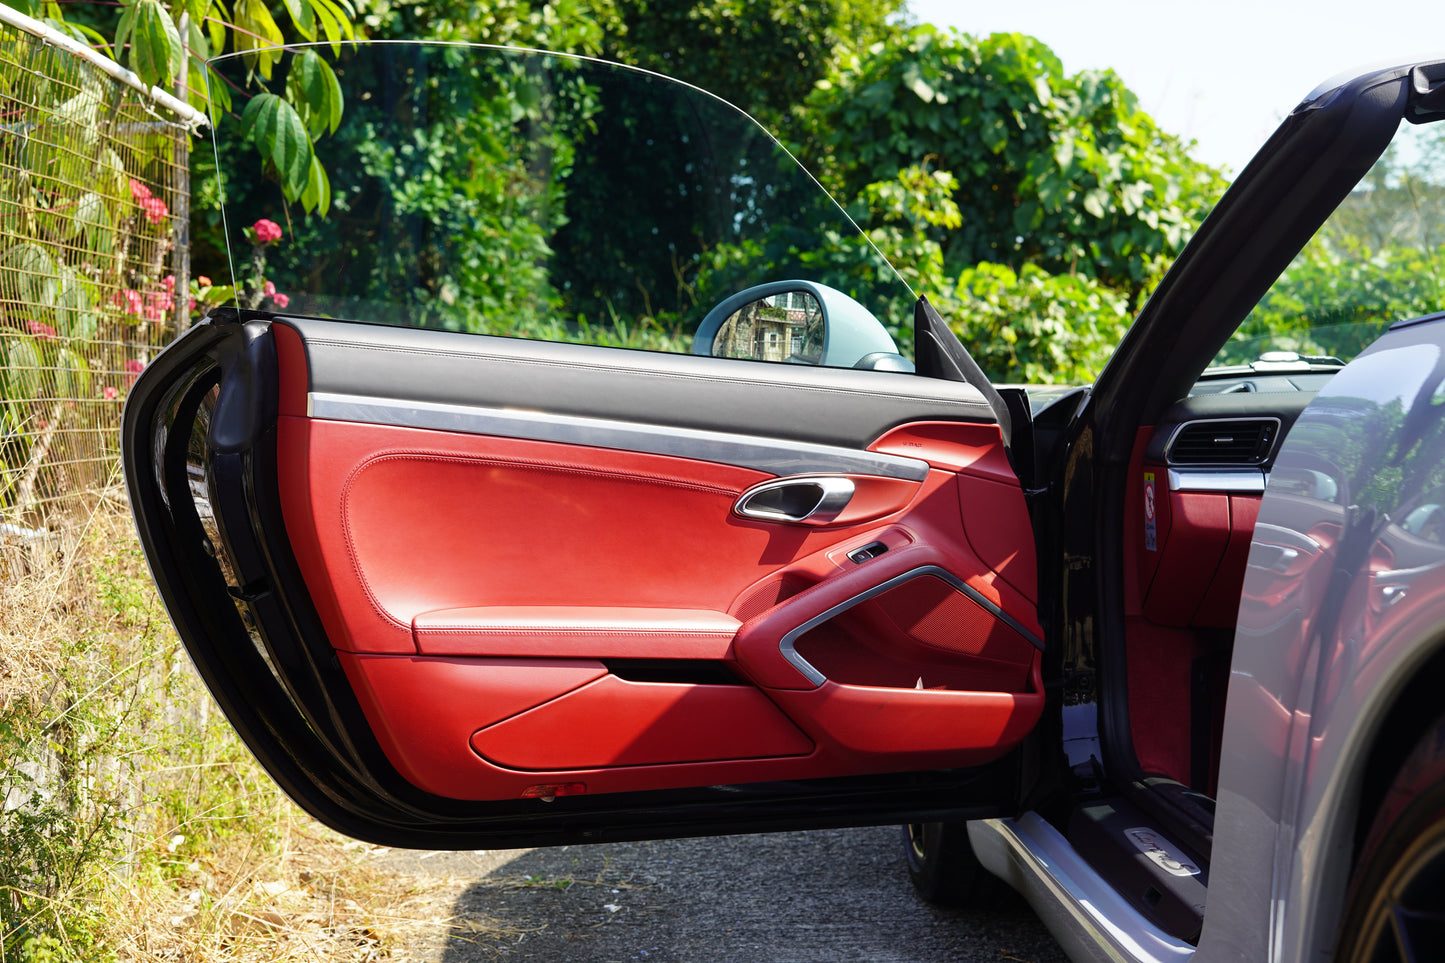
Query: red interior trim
[
  {"x": 388, "y": 523},
  {"x": 427, "y": 712},
  {"x": 294, "y": 373},
  {"x": 423, "y": 709},
  {"x": 758, "y": 643},
  {"x": 1181, "y": 602},
  {"x": 1220, "y": 606},
  {"x": 905, "y": 727},
  {"x": 1198, "y": 534},
  {"x": 615, "y": 722},
  {"x": 960, "y": 446}
]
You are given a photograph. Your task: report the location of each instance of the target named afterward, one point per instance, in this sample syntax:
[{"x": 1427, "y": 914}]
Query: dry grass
[
  {"x": 316, "y": 899},
  {"x": 150, "y": 834}
]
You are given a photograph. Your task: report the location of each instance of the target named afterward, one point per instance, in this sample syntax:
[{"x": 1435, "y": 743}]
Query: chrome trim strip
[
  {"x": 1239, "y": 481},
  {"x": 773, "y": 455},
  {"x": 1083, "y": 912},
  {"x": 834, "y": 494},
  {"x": 787, "y": 645}
]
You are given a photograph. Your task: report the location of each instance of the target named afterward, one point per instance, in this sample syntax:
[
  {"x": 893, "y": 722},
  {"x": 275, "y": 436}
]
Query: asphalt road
[{"x": 819, "y": 896}]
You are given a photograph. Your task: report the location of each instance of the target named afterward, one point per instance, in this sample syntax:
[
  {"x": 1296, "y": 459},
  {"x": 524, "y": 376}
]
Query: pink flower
[
  {"x": 266, "y": 231},
  {"x": 154, "y": 209},
  {"x": 109, "y": 393},
  {"x": 135, "y": 366},
  {"x": 191, "y": 304},
  {"x": 41, "y": 330},
  {"x": 138, "y": 190},
  {"x": 281, "y": 300},
  {"x": 130, "y": 301},
  {"x": 203, "y": 281},
  {"x": 268, "y": 289},
  {"x": 169, "y": 282}
]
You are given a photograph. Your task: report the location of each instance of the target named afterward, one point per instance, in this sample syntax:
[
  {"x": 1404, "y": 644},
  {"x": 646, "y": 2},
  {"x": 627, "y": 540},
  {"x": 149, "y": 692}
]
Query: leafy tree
[
  {"x": 564, "y": 26},
  {"x": 1062, "y": 171},
  {"x": 765, "y": 56},
  {"x": 168, "y": 43},
  {"x": 1380, "y": 258},
  {"x": 1034, "y": 327}
]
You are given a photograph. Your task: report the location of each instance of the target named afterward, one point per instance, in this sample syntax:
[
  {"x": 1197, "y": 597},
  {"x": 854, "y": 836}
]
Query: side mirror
[
  {"x": 798, "y": 322},
  {"x": 787, "y": 326}
]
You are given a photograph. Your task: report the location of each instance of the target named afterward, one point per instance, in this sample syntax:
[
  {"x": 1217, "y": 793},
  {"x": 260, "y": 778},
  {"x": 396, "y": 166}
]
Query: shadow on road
[{"x": 817, "y": 896}]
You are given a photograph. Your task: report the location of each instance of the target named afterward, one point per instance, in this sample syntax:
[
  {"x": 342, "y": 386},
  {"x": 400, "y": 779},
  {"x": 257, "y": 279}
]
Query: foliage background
[{"x": 1034, "y": 207}]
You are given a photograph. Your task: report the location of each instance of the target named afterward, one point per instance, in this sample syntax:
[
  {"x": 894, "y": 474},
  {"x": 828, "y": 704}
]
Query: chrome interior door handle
[{"x": 807, "y": 500}]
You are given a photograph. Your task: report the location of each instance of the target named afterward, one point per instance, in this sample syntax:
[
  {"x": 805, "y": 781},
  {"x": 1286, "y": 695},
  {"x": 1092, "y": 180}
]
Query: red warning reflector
[{"x": 553, "y": 790}]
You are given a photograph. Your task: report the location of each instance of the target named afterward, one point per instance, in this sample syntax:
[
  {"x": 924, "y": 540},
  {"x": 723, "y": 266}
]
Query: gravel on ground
[{"x": 830, "y": 895}]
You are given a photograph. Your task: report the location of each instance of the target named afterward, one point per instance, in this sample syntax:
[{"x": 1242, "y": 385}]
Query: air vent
[{"x": 1242, "y": 442}]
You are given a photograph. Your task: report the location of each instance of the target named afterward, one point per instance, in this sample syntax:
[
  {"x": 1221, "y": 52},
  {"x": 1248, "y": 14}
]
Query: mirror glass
[{"x": 787, "y": 326}]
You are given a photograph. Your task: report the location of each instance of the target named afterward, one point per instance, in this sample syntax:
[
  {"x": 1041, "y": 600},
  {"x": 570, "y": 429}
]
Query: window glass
[
  {"x": 516, "y": 193},
  {"x": 1380, "y": 258}
]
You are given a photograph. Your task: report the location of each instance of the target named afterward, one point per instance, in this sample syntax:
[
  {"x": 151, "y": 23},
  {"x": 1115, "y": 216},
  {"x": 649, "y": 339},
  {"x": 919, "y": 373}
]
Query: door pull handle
[{"x": 798, "y": 500}]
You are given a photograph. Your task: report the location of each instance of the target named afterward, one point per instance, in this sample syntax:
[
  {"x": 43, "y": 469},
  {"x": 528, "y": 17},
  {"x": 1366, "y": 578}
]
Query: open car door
[{"x": 463, "y": 573}]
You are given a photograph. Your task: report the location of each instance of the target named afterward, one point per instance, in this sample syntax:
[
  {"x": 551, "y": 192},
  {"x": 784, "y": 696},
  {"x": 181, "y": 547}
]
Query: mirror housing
[{"x": 801, "y": 322}]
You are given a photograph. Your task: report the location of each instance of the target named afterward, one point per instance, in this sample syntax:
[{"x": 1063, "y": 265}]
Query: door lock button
[{"x": 872, "y": 550}]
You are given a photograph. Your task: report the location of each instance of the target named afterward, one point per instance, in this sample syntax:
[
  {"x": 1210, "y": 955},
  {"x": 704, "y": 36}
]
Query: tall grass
[{"x": 134, "y": 825}]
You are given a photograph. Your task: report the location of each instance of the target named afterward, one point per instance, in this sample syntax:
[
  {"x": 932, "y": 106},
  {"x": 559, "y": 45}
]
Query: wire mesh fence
[{"x": 92, "y": 280}]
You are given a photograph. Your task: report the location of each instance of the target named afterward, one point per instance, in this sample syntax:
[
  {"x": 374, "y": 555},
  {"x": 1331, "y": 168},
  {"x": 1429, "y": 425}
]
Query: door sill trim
[{"x": 1084, "y": 913}]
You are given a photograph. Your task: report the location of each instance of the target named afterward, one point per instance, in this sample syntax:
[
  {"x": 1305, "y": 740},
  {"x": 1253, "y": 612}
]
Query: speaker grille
[{"x": 763, "y": 596}]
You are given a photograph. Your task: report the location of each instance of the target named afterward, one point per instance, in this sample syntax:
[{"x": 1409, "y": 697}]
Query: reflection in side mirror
[
  {"x": 787, "y": 326},
  {"x": 802, "y": 322}
]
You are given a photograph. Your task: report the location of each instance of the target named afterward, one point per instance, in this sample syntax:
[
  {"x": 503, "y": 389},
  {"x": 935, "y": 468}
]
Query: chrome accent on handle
[{"x": 820, "y": 500}]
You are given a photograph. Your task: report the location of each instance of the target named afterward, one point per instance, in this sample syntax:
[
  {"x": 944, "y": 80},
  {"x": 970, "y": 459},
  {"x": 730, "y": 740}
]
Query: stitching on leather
[
  {"x": 644, "y": 373},
  {"x": 460, "y": 459}
]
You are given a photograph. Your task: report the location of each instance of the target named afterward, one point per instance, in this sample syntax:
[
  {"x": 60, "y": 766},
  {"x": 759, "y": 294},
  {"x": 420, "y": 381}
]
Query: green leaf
[
  {"x": 22, "y": 368},
  {"x": 276, "y": 129},
  {"x": 200, "y": 47},
  {"x": 72, "y": 376},
  {"x": 313, "y": 88},
  {"x": 93, "y": 223},
  {"x": 124, "y": 29},
  {"x": 303, "y": 17},
  {"x": 28, "y": 272},
  {"x": 216, "y": 26},
  {"x": 156, "y": 53},
  {"x": 259, "y": 37},
  {"x": 317, "y": 196},
  {"x": 335, "y": 21},
  {"x": 113, "y": 180},
  {"x": 74, "y": 306}
]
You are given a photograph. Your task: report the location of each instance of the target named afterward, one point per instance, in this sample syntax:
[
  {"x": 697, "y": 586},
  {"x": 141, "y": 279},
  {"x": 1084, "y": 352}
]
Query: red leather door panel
[{"x": 488, "y": 597}]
